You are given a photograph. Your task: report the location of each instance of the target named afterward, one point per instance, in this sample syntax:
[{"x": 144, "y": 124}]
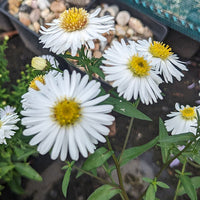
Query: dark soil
[{"x": 79, "y": 189}]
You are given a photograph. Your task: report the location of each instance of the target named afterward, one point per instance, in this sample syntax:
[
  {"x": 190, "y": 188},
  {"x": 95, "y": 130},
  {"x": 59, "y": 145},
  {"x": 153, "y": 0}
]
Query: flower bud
[{"x": 38, "y": 63}]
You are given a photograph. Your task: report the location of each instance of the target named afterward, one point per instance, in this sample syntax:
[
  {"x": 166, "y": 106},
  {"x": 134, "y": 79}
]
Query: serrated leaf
[
  {"x": 66, "y": 180},
  {"x": 163, "y": 134},
  {"x": 151, "y": 193},
  {"x": 162, "y": 185},
  {"x": 134, "y": 152},
  {"x": 96, "y": 160},
  {"x": 178, "y": 138},
  {"x": 126, "y": 108},
  {"x": 104, "y": 192},
  {"x": 27, "y": 171},
  {"x": 188, "y": 187},
  {"x": 195, "y": 182}
]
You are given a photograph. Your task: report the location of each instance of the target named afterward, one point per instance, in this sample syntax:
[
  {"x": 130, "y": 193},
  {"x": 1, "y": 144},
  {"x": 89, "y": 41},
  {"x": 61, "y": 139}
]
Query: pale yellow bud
[
  {"x": 38, "y": 63},
  {"x": 6, "y": 37}
]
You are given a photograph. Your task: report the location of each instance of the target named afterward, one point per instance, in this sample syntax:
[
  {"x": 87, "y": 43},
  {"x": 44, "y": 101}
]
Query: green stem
[
  {"x": 105, "y": 169},
  {"x": 166, "y": 165},
  {"x": 96, "y": 177},
  {"x": 128, "y": 133},
  {"x": 124, "y": 194},
  {"x": 179, "y": 181}
]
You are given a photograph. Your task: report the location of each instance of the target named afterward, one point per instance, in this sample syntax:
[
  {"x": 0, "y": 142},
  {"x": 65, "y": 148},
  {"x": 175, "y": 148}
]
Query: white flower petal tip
[
  {"x": 131, "y": 73},
  {"x": 162, "y": 59},
  {"x": 8, "y": 121},
  {"x": 62, "y": 36},
  {"x": 183, "y": 120},
  {"x": 64, "y": 116}
]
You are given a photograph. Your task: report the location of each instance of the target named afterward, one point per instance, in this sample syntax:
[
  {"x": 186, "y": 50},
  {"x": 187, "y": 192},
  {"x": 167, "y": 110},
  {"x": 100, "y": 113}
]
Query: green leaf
[
  {"x": 151, "y": 193},
  {"x": 5, "y": 168},
  {"x": 27, "y": 171},
  {"x": 104, "y": 192},
  {"x": 195, "y": 182},
  {"x": 178, "y": 138},
  {"x": 163, "y": 134},
  {"x": 134, "y": 152},
  {"x": 148, "y": 180},
  {"x": 188, "y": 187},
  {"x": 162, "y": 185},
  {"x": 96, "y": 159},
  {"x": 126, "y": 108},
  {"x": 97, "y": 70},
  {"x": 66, "y": 180},
  {"x": 15, "y": 187}
]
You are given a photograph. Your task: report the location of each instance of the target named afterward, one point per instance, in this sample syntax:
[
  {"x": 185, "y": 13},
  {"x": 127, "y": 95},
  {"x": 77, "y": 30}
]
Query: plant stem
[
  {"x": 179, "y": 181},
  {"x": 128, "y": 133},
  {"x": 166, "y": 165},
  {"x": 124, "y": 194},
  {"x": 96, "y": 177}
]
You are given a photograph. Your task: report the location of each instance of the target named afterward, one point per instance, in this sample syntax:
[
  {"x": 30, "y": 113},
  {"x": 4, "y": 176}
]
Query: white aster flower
[
  {"x": 8, "y": 120},
  {"x": 131, "y": 73},
  {"x": 162, "y": 58},
  {"x": 183, "y": 121},
  {"x": 74, "y": 28},
  {"x": 64, "y": 115}
]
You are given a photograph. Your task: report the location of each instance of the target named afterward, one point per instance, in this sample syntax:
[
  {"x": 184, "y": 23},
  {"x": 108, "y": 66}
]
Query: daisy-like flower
[
  {"x": 162, "y": 58},
  {"x": 63, "y": 115},
  {"x": 182, "y": 121},
  {"x": 74, "y": 28},
  {"x": 131, "y": 73},
  {"x": 8, "y": 120}
]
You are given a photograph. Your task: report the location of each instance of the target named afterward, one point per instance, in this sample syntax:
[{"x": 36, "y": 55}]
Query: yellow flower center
[
  {"x": 139, "y": 66},
  {"x": 66, "y": 112},
  {"x": 37, "y": 78},
  {"x": 73, "y": 19},
  {"x": 188, "y": 113},
  {"x": 160, "y": 50}
]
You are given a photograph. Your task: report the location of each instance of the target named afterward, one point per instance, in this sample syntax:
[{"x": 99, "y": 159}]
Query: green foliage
[
  {"x": 105, "y": 192},
  {"x": 14, "y": 156},
  {"x": 66, "y": 178},
  {"x": 97, "y": 159},
  {"x": 134, "y": 152}
]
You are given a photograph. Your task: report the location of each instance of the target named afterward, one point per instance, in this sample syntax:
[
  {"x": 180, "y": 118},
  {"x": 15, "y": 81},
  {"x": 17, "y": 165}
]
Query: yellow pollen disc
[
  {"x": 188, "y": 113},
  {"x": 160, "y": 50},
  {"x": 66, "y": 112},
  {"x": 139, "y": 66},
  {"x": 37, "y": 78},
  {"x": 73, "y": 19}
]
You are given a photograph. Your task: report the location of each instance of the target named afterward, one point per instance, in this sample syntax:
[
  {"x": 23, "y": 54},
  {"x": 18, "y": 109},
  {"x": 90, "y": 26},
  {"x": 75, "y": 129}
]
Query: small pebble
[
  {"x": 136, "y": 25},
  {"x": 97, "y": 54},
  {"x": 35, "y": 15},
  {"x": 57, "y": 6},
  {"x": 123, "y": 18},
  {"x": 24, "y": 18}
]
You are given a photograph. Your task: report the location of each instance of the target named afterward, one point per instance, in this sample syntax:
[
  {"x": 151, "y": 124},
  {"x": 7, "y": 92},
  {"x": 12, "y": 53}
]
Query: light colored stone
[
  {"x": 57, "y": 6},
  {"x": 35, "y": 15},
  {"x": 130, "y": 32},
  {"x": 14, "y": 6},
  {"x": 28, "y": 2},
  {"x": 120, "y": 30},
  {"x": 24, "y": 18},
  {"x": 44, "y": 13},
  {"x": 34, "y": 4},
  {"x": 36, "y": 26},
  {"x": 49, "y": 17},
  {"x": 113, "y": 10},
  {"x": 81, "y": 3},
  {"x": 123, "y": 18},
  {"x": 136, "y": 25},
  {"x": 97, "y": 54},
  {"x": 147, "y": 32}
]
